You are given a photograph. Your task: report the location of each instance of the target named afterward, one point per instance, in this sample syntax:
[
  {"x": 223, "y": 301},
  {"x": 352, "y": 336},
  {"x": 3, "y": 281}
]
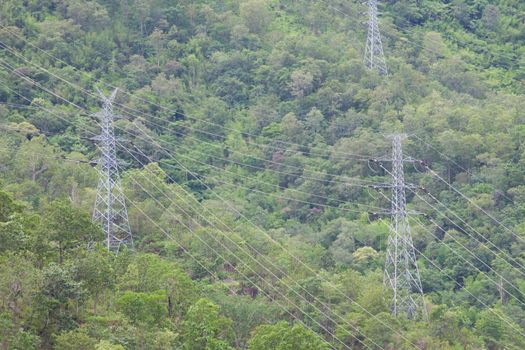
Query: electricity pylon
[
  {"x": 374, "y": 57},
  {"x": 110, "y": 206},
  {"x": 401, "y": 271}
]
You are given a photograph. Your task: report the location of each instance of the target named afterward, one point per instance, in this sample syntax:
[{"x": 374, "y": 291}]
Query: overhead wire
[
  {"x": 485, "y": 264},
  {"x": 167, "y": 209},
  {"x": 56, "y": 95},
  {"x": 474, "y": 204},
  {"x": 149, "y": 102},
  {"x": 211, "y": 273},
  {"x": 271, "y": 239},
  {"x": 222, "y": 257},
  {"x": 447, "y": 208},
  {"x": 17, "y": 105},
  {"x": 443, "y": 155},
  {"x": 186, "y": 251},
  {"x": 463, "y": 287},
  {"x": 521, "y": 268},
  {"x": 487, "y": 307},
  {"x": 350, "y": 181},
  {"x": 229, "y": 160},
  {"x": 463, "y": 230},
  {"x": 170, "y": 130},
  {"x": 456, "y": 282},
  {"x": 251, "y": 247},
  {"x": 465, "y": 223},
  {"x": 403, "y": 30},
  {"x": 166, "y": 163},
  {"x": 76, "y": 106},
  {"x": 346, "y": 155},
  {"x": 299, "y": 308},
  {"x": 469, "y": 251},
  {"x": 271, "y": 194}
]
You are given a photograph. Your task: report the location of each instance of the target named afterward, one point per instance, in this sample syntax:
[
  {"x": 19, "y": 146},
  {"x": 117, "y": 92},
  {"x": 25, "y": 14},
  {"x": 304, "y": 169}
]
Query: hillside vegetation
[{"x": 252, "y": 147}]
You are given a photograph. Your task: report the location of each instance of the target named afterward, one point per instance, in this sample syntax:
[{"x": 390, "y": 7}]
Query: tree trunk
[{"x": 95, "y": 302}]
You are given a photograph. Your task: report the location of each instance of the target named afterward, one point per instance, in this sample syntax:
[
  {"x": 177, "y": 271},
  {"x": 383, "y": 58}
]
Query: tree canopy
[{"x": 252, "y": 152}]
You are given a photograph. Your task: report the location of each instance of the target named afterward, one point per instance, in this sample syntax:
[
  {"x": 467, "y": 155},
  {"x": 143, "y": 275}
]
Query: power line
[
  {"x": 285, "y": 297},
  {"x": 375, "y": 208},
  {"x": 419, "y": 223},
  {"x": 469, "y": 251},
  {"x": 255, "y": 226},
  {"x": 58, "y": 96},
  {"x": 464, "y": 288},
  {"x": 346, "y": 183},
  {"x": 347, "y": 155},
  {"x": 404, "y": 30},
  {"x": 252, "y": 248},
  {"x": 344, "y": 179},
  {"x": 453, "y": 280},
  {"x": 280, "y": 245},
  {"x": 480, "y": 240},
  {"x": 14, "y": 105},
  {"x": 185, "y": 250},
  {"x": 459, "y": 165},
  {"x": 258, "y": 228},
  {"x": 469, "y": 235},
  {"x": 167, "y": 209},
  {"x": 364, "y": 158},
  {"x": 474, "y": 203},
  {"x": 237, "y": 185},
  {"x": 249, "y": 246},
  {"x": 474, "y": 255},
  {"x": 324, "y": 205}
]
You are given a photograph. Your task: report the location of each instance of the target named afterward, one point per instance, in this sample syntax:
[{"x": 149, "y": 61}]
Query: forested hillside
[{"x": 253, "y": 147}]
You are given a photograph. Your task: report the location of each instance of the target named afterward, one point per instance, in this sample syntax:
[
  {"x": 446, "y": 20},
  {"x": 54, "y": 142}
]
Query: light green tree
[
  {"x": 204, "y": 328},
  {"x": 282, "y": 336}
]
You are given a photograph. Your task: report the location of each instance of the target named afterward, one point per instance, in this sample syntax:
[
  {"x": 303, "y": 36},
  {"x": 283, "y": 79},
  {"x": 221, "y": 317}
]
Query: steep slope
[{"x": 249, "y": 132}]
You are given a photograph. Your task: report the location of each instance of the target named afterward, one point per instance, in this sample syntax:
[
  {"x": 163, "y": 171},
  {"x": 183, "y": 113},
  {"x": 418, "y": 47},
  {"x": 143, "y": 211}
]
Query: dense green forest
[{"x": 251, "y": 146}]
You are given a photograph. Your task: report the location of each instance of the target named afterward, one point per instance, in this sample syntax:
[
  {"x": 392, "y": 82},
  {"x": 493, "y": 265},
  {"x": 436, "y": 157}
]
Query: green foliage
[
  {"x": 204, "y": 328},
  {"x": 94, "y": 269},
  {"x": 281, "y": 336},
  {"x": 260, "y": 112},
  {"x": 20, "y": 281},
  {"x": 106, "y": 345},
  {"x": 74, "y": 340},
  {"x": 142, "y": 308},
  {"x": 65, "y": 228}
]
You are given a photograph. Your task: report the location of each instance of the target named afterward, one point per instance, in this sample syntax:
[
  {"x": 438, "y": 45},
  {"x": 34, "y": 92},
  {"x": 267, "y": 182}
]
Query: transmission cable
[
  {"x": 252, "y": 249},
  {"x": 468, "y": 250},
  {"x": 166, "y": 163},
  {"x": 235, "y": 151},
  {"x": 13, "y": 51},
  {"x": 254, "y": 271},
  {"x": 459, "y": 165},
  {"x": 474, "y": 204},
  {"x": 249, "y": 221}
]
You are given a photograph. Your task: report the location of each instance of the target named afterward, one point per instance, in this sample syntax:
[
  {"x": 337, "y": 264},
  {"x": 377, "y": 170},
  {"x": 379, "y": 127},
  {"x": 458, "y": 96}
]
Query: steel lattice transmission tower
[
  {"x": 374, "y": 57},
  {"x": 110, "y": 207},
  {"x": 401, "y": 271}
]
